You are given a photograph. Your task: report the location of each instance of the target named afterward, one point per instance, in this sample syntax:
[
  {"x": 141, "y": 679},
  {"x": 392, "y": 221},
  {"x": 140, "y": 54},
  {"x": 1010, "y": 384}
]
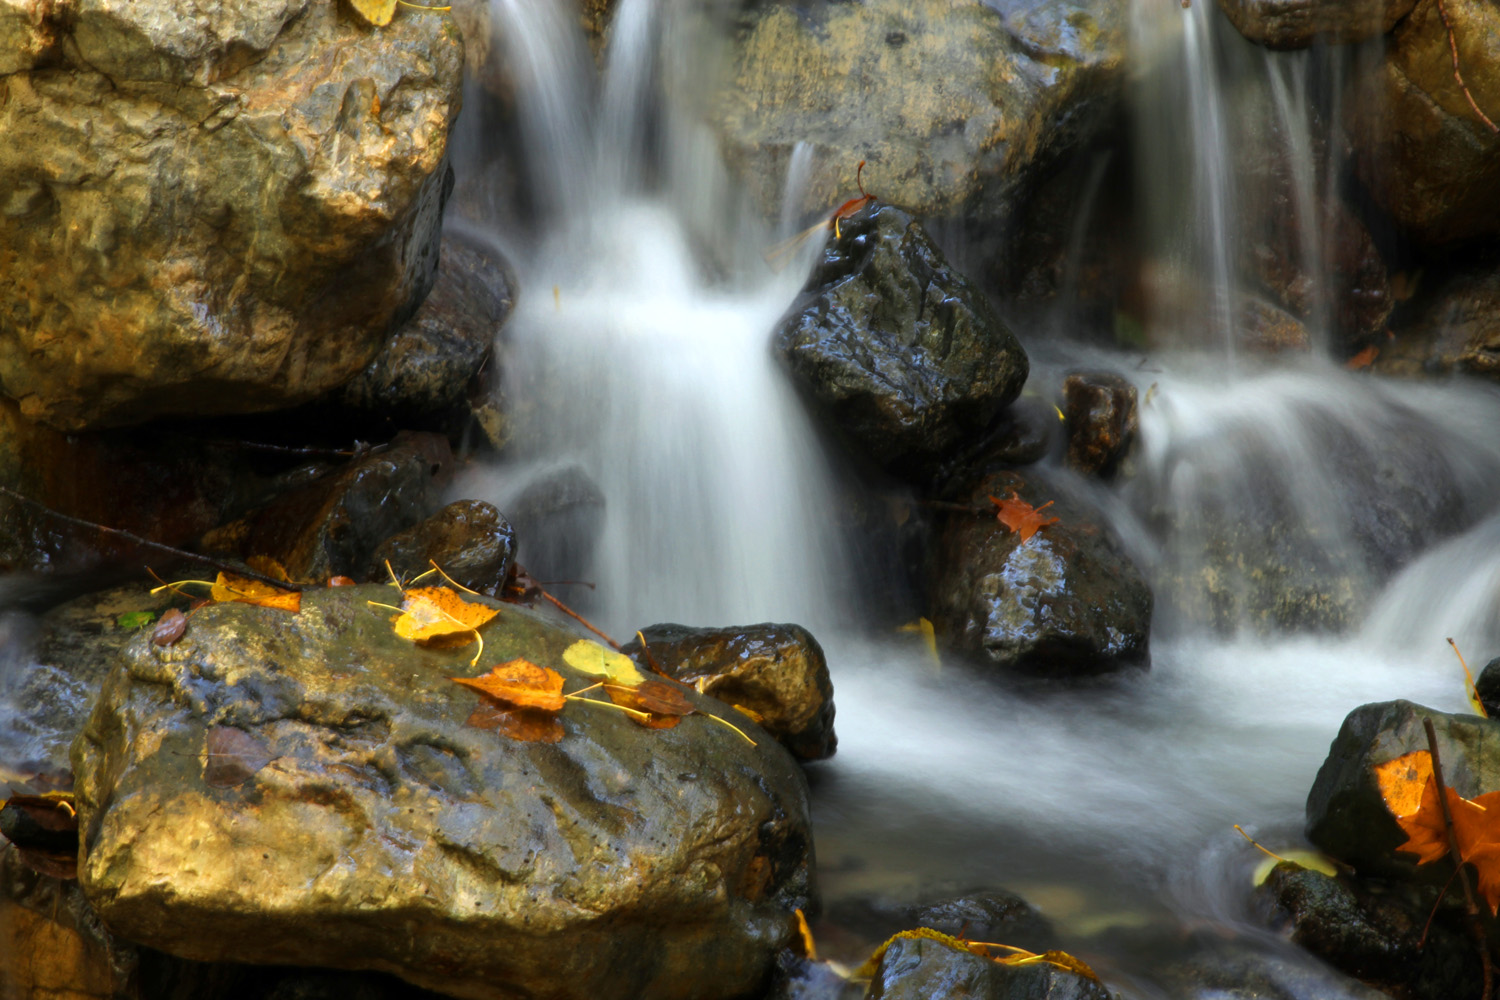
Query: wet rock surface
[
  {"x": 1020, "y": 85},
  {"x": 979, "y": 915},
  {"x": 1296, "y": 24},
  {"x": 1455, "y": 329},
  {"x": 777, "y": 671},
  {"x": 1102, "y": 421},
  {"x": 1346, "y": 816},
  {"x": 332, "y": 525},
  {"x": 469, "y": 539},
  {"x": 1068, "y": 601},
  {"x": 210, "y": 214},
  {"x": 386, "y": 834},
  {"x": 903, "y": 355},
  {"x": 1420, "y": 149},
  {"x": 925, "y": 969}
]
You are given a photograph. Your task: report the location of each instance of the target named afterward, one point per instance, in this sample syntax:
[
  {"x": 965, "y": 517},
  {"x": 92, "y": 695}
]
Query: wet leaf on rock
[
  {"x": 377, "y": 13},
  {"x": 132, "y": 620},
  {"x": 232, "y": 587},
  {"x": 1476, "y": 822},
  {"x": 232, "y": 756},
  {"x": 1020, "y": 517},
  {"x": 520, "y": 684},
  {"x": 439, "y": 618},
  {"x": 171, "y": 627},
  {"x": 590, "y": 658},
  {"x": 656, "y": 697},
  {"x": 528, "y": 725}
]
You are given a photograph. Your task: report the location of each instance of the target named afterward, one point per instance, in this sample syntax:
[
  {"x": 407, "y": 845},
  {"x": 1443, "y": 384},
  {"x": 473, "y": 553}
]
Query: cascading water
[{"x": 639, "y": 353}]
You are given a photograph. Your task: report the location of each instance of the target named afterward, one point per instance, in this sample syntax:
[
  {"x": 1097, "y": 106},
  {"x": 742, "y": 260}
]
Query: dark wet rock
[
  {"x": 204, "y": 214},
  {"x": 1020, "y": 87},
  {"x": 431, "y": 365},
  {"x": 1374, "y": 931},
  {"x": 926, "y": 969},
  {"x": 776, "y": 671},
  {"x": 1488, "y": 686},
  {"x": 1239, "y": 970},
  {"x": 1346, "y": 816},
  {"x": 1102, "y": 421},
  {"x": 1266, "y": 328},
  {"x": 388, "y": 835},
  {"x": 1024, "y": 433},
  {"x": 52, "y": 943},
  {"x": 979, "y": 915},
  {"x": 558, "y": 518},
  {"x": 1069, "y": 601},
  {"x": 1453, "y": 329},
  {"x": 904, "y": 356},
  {"x": 798, "y": 978},
  {"x": 1420, "y": 149},
  {"x": 1296, "y": 24},
  {"x": 332, "y": 525},
  {"x": 469, "y": 539}
]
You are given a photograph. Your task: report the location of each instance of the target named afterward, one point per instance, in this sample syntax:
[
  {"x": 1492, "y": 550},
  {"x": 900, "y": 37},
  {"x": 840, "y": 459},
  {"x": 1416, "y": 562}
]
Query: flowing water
[{"x": 639, "y": 348}]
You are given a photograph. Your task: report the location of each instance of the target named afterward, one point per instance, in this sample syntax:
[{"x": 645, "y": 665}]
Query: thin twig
[
  {"x": 650, "y": 660},
  {"x": 960, "y": 508},
  {"x": 1470, "y": 908},
  {"x": 1458, "y": 75},
  {"x": 219, "y": 564},
  {"x": 360, "y": 448},
  {"x": 579, "y": 618}
]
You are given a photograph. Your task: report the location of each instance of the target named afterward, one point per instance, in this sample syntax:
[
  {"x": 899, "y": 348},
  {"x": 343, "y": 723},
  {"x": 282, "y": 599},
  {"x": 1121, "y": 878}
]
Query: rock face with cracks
[
  {"x": 215, "y": 210},
  {"x": 384, "y": 833}
]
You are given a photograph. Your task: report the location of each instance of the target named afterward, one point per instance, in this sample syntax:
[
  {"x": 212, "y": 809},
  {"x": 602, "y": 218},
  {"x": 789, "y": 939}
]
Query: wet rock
[
  {"x": 1296, "y": 24},
  {"x": 979, "y": 915},
  {"x": 904, "y": 356},
  {"x": 1266, "y": 328},
  {"x": 52, "y": 944},
  {"x": 1019, "y": 87},
  {"x": 1102, "y": 421},
  {"x": 388, "y": 835},
  {"x": 469, "y": 539},
  {"x": 558, "y": 517},
  {"x": 1375, "y": 932},
  {"x": 1488, "y": 687},
  {"x": 332, "y": 525},
  {"x": 776, "y": 671},
  {"x": 1420, "y": 149},
  {"x": 206, "y": 214},
  {"x": 1068, "y": 601},
  {"x": 1455, "y": 329},
  {"x": 1239, "y": 970},
  {"x": 926, "y": 969},
  {"x": 431, "y": 366},
  {"x": 1346, "y": 816}
]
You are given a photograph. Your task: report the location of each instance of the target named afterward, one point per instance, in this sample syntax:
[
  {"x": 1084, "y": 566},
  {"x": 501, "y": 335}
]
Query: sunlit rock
[
  {"x": 776, "y": 671},
  {"x": 216, "y": 213},
  {"x": 1067, "y": 601},
  {"x": 903, "y": 355},
  {"x": 387, "y": 834},
  {"x": 1420, "y": 148},
  {"x": 1296, "y": 24}
]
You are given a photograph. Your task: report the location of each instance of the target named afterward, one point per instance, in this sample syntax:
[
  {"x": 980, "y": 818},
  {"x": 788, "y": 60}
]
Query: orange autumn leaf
[
  {"x": 520, "y": 684},
  {"x": 437, "y": 616},
  {"x": 232, "y": 587},
  {"x": 1020, "y": 517},
  {"x": 663, "y": 704},
  {"x": 526, "y": 725},
  {"x": 1363, "y": 359},
  {"x": 1403, "y": 780},
  {"x": 1476, "y": 822}
]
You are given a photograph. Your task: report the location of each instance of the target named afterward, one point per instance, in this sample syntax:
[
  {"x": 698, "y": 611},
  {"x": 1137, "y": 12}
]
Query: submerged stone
[
  {"x": 386, "y": 834},
  {"x": 926, "y": 969},
  {"x": 904, "y": 356}
]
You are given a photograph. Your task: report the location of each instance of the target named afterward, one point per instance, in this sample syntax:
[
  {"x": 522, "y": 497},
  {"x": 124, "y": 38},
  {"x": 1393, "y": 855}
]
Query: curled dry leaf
[
  {"x": 528, "y": 725},
  {"x": 171, "y": 627},
  {"x": 232, "y": 756},
  {"x": 231, "y": 587},
  {"x": 520, "y": 684},
  {"x": 590, "y": 658},
  {"x": 1020, "y": 517}
]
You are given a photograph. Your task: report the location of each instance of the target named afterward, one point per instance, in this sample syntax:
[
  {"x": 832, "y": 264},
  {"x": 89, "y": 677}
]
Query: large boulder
[
  {"x": 902, "y": 353},
  {"x": 216, "y": 213},
  {"x": 776, "y": 671},
  {"x": 1420, "y": 147},
  {"x": 1066, "y": 601},
  {"x": 957, "y": 108},
  {"x": 1346, "y": 815},
  {"x": 1453, "y": 329},
  {"x": 1296, "y": 24},
  {"x": 363, "y": 824}
]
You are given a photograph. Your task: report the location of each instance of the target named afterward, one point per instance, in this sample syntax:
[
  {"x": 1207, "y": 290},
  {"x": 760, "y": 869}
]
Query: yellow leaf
[
  {"x": 520, "y": 684},
  {"x": 229, "y": 587},
  {"x": 923, "y": 627},
  {"x": 595, "y": 660},
  {"x": 375, "y": 12}
]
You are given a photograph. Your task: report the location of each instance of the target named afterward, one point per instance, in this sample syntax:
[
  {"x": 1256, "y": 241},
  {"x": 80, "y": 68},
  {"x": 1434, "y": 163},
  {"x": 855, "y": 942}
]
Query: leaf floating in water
[
  {"x": 232, "y": 756},
  {"x": 171, "y": 627},
  {"x": 590, "y": 658},
  {"x": 1020, "y": 517},
  {"x": 528, "y": 725},
  {"x": 520, "y": 684}
]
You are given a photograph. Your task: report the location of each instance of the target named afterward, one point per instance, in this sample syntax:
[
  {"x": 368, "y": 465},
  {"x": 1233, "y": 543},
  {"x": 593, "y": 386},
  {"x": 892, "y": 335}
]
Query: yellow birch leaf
[
  {"x": 590, "y": 658},
  {"x": 375, "y": 12}
]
